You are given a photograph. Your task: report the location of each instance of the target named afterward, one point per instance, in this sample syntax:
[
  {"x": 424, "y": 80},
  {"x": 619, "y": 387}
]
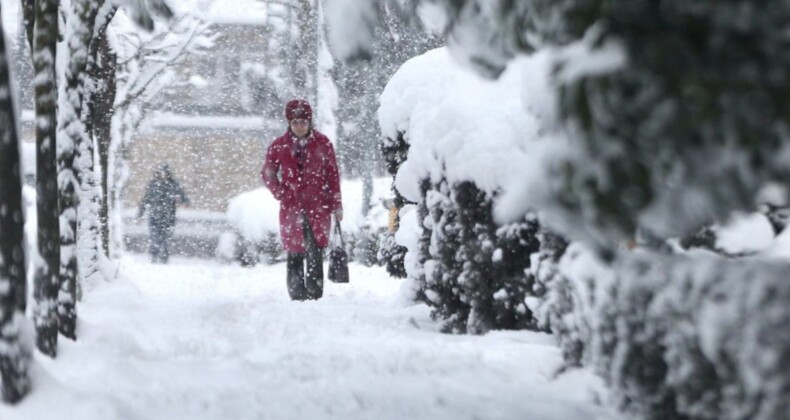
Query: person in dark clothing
[
  {"x": 301, "y": 172},
  {"x": 162, "y": 195}
]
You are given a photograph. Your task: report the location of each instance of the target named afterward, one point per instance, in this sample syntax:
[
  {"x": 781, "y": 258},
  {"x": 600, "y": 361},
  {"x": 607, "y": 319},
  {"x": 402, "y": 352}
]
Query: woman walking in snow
[{"x": 301, "y": 172}]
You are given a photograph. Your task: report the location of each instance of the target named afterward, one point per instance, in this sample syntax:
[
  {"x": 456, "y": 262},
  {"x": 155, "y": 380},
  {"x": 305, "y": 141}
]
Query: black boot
[
  {"x": 295, "y": 278},
  {"x": 315, "y": 263}
]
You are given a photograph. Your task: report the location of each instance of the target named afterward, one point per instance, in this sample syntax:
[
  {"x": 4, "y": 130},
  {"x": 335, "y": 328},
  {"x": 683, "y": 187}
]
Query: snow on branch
[
  {"x": 142, "y": 12},
  {"x": 148, "y": 60}
]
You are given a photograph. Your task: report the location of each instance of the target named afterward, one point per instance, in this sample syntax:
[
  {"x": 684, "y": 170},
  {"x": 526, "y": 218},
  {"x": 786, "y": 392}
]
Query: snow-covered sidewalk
[{"x": 198, "y": 340}]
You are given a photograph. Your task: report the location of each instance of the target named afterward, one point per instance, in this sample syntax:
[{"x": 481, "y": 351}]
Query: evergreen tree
[{"x": 15, "y": 355}]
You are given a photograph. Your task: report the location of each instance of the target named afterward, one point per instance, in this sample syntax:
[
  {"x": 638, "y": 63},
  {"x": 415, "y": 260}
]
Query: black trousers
[
  {"x": 159, "y": 241},
  {"x": 310, "y": 285}
]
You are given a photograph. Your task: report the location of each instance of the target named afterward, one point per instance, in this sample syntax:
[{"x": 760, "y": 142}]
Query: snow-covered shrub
[
  {"x": 453, "y": 141},
  {"x": 552, "y": 297},
  {"x": 254, "y": 216},
  {"x": 664, "y": 118},
  {"x": 392, "y": 255},
  {"x": 443, "y": 261},
  {"x": 626, "y": 345},
  {"x": 605, "y": 315},
  {"x": 361, "y": 233},
  {"x": 727, "y": 350},
  {"x": 475, "y": 273},
  {"x": 226, "y": 247},
  {"x": 363, "y": 244},
  {"x": 674, "y": 336},
  {"x": 495, "y": 279}
]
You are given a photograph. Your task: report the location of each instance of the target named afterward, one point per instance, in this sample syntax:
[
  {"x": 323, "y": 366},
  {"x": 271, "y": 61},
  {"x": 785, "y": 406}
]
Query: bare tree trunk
[
  {"x": 98, "y": 122},
  {"x": 45, "y": 37},
  {"x": 103, "y": 73},
  {"x": 15, "y": 357}
]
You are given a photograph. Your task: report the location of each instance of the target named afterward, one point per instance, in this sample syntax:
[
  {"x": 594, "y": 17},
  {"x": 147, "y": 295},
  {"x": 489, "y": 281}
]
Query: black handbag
[{"x": 338, "y": 258}]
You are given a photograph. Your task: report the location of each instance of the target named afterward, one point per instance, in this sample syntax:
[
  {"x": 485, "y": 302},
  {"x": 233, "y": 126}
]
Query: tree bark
[
  {"x": 98, "y": 122},
  {"x": 79, "y": 31},
  {"x": 45, "y": 35},
  {"x": 15, "y": 357},
  {"x": 103, "y": 73}
]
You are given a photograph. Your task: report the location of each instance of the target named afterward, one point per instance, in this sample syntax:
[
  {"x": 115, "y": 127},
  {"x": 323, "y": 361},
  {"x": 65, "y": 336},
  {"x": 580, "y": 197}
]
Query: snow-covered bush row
[
  {"x": 674, "y": 336},
  {"x": 633, "y": 318},
  {"x": 254, "y": 217},
  {"x": 656, "y": 120}
]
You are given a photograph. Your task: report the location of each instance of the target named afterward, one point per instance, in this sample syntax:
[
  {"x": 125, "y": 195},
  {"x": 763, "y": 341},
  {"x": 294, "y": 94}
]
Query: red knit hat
[{"x": 298, "y": 108}]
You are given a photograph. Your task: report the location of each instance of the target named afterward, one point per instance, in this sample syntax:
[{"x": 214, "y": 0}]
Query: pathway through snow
[{"x": 198, "y": 340}]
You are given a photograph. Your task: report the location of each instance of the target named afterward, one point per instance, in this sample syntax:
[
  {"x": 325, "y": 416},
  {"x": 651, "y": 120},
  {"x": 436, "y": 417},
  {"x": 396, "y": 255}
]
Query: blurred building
[{"x": 213, "y": 130}]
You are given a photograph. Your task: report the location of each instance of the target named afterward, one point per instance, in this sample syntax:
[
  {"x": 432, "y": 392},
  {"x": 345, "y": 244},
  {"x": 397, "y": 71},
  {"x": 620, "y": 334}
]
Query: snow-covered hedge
[
  {"x": 255, "y": 218},
  {"x": 694, "y": 334},
  {"x": 631, "y": 149},
  {"x": 674, "y": 336}
]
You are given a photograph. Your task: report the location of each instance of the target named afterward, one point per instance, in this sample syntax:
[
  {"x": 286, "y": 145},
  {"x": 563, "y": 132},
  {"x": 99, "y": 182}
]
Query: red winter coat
[{"x": 315, "y": 190}]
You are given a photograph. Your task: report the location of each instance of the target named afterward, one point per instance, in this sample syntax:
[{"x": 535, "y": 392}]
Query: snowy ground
[{"x": 198, "y": 340}]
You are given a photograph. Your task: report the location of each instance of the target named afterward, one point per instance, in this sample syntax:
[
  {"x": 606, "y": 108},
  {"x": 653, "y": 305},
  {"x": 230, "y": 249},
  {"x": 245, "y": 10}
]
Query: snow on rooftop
[{"x": 170, "y": 120}]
